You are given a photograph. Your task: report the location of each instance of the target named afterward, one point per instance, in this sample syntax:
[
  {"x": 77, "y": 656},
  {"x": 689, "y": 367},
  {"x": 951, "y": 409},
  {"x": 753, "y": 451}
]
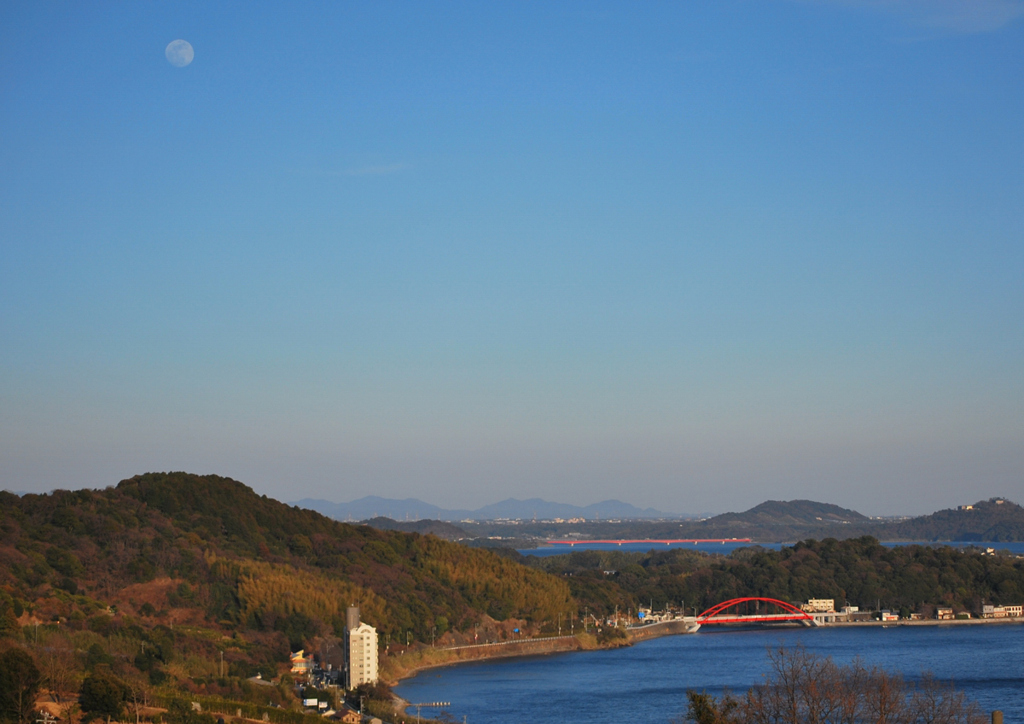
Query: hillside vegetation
[
  {"x": 995, "y": 521},
  {"x": 161, "y": 550},
  {"x": 425, "y": 526},
  {"x": 860, "y": 572}
]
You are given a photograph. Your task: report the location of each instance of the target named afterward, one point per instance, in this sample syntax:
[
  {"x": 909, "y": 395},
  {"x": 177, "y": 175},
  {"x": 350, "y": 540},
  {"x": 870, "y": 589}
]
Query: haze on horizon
[{"x": 691, "y": 257}]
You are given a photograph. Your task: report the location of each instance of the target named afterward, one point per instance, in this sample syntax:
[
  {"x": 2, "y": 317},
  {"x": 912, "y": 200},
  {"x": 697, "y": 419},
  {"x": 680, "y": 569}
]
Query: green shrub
[
  {"x": 19, "y": 683},
  {"x": 102, "y": 695}
]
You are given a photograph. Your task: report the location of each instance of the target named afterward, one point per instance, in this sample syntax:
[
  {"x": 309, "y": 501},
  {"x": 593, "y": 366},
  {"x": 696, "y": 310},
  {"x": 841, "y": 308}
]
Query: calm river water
[{"x": 647, "y": 683}]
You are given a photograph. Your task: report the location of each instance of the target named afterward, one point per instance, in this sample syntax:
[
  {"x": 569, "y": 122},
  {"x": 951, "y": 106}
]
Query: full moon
[{"x": 179, "y": 53}]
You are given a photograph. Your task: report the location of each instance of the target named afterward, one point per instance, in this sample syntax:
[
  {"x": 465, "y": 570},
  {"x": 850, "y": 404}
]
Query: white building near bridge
[{"x": 360, "y": 650}]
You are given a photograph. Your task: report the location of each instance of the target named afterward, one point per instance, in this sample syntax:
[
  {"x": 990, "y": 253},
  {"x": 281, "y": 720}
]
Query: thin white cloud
[{"x": 959, "y": 16}]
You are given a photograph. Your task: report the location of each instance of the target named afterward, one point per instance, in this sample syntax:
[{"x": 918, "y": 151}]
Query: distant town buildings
[
  {"x": 820, "y": 605},
  {"x": 1002, "y": 611},
  {"x": 360, "y": 650}
]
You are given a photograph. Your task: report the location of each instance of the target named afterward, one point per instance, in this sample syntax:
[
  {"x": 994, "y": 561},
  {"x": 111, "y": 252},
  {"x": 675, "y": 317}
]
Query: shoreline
[
  {"x": 397, "y": 670},
  {"x": 428, "y": 659},
  {"x": 439, "y": 658}
]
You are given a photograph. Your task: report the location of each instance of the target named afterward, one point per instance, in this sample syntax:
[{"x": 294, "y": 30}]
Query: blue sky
[{"x": 688, "y": 255}]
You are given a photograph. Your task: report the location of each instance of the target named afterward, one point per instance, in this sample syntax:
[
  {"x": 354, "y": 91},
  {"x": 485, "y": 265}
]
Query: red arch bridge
[{"x": 754, "y": 609}]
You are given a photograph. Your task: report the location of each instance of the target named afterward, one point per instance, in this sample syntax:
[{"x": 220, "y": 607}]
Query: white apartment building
[{"x": 360, "y": 650}]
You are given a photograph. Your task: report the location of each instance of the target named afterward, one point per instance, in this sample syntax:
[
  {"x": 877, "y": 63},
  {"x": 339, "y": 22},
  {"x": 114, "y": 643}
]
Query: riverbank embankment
[
  {"x": 657, "y": 630},
  {"x": 410, "y": 663}
]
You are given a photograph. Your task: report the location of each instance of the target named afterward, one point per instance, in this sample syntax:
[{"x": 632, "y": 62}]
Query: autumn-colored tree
[
  {"x": 136, "y": 693},
  {"x": 58, "y": 667}
]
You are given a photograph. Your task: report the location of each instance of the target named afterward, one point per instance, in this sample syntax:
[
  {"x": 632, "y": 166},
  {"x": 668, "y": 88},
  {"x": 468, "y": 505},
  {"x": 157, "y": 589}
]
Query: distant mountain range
[
  {"x": 995, "y": 520},
  {"x": 412, "y": 509}
]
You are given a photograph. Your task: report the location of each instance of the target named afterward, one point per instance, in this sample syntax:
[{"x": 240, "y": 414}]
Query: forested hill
[
  {"x": 782, "y": 514},
  {"x": 167, "y": 546},
  {"x": 995, "y": 520},
  {"x": 440, "y": 528}
]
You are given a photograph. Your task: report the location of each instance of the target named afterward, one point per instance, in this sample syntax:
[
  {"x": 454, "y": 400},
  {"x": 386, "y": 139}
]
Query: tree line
[{"x": 859, "y": 572}]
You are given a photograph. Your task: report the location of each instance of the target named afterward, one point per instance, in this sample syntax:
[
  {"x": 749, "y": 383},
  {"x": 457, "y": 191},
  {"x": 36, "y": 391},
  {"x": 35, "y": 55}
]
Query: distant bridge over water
[
  {"x": 738, "y": 611},
  {"x": 750, "y": 610}
]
